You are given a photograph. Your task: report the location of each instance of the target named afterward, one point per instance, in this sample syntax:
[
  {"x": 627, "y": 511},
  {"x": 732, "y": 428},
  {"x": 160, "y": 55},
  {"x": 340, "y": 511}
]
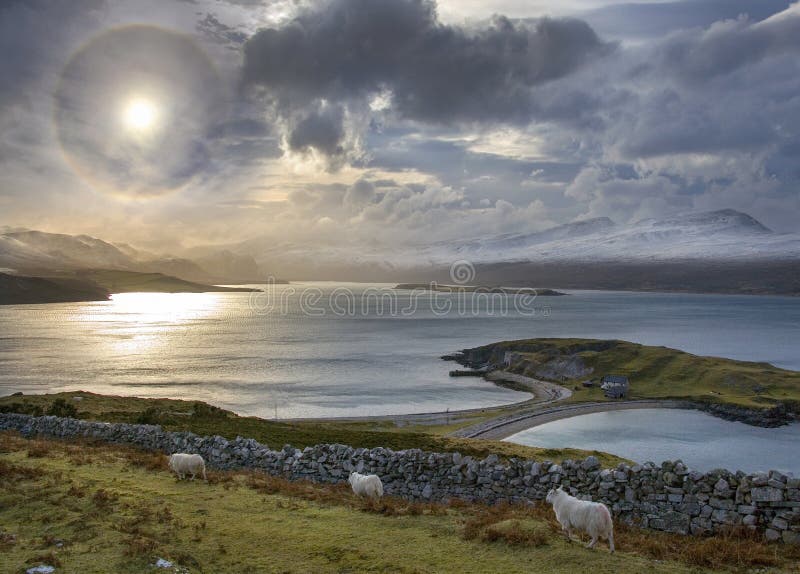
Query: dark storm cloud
[
  {"x": 729, "y": 45},
  {"x": 672, "y": 122},
  {"x": 708, "y": 118},
  {"x": 437, "y": 73},
  {"x": 729, "y": 88},
  {"x": 322, "y": 130}
]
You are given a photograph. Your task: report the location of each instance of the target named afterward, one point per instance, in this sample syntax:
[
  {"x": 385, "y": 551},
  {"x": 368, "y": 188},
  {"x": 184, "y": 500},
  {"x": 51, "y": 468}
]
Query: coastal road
[
  {"x": 497, "y": 423},
  {"x": 543, "y": 393},
  {"x": 499, "y": 428}
]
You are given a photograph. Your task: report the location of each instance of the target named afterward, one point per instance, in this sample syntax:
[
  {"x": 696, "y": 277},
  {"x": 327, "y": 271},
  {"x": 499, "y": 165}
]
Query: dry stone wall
[{"x": 668, "y": 497}]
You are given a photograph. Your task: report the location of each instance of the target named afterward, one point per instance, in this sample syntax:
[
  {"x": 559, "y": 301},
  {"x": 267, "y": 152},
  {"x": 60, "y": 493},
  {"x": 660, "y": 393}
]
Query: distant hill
[
  {"x": 478, "y": 289},
  {"x": 37, "y": 253},
  {"x": 117, "y": 281},
  {"x": 95, "y": 285},
  {"x": 16, "y": 290}
]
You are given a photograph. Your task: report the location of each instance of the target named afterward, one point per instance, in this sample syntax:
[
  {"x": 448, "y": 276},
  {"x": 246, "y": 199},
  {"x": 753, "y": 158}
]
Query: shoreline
[
  {"x": 499, "y": 429},
  {"x": 542, "y": 393},
  {"x": 501, "y": 421}
]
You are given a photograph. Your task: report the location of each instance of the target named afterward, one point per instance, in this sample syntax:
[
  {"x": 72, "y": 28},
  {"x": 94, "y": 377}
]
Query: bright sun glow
[
  {"x": 140, "y": 115},
  {"x": 143, "y": 323}
]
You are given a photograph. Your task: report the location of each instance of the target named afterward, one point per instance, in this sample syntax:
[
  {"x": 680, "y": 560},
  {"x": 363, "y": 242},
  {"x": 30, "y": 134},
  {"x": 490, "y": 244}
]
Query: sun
[{"x": 140, "y": 115}]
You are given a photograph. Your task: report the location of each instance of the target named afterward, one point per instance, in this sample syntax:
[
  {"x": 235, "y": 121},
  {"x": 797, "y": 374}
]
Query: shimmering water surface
[
  {"x": 703, "y": 442},
  {"x": 325, "y": 349}
]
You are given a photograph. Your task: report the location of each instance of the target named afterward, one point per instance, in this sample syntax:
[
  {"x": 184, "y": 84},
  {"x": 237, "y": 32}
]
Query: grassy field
[
  {"x": 100, "y": 508},
  {"x": 200, "y": 418},
  {"x": 660, "y": 372}
]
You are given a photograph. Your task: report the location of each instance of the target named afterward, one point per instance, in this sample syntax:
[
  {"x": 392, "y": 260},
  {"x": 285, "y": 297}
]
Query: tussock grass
[
  {"x": 514, "y": 524},
  {"x": 736, "y": 548}
]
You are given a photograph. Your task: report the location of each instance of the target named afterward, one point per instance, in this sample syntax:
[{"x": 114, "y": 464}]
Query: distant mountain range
[
  {"x": 717, "y": 235},
  {"x": 719, "y": 251},
  {"x": 674, "y": 253},
  {"x": 39, "y": 253}
]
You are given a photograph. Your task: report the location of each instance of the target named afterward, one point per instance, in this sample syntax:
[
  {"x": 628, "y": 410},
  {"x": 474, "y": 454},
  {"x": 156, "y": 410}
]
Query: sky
[{"x": 176, "y": 123}]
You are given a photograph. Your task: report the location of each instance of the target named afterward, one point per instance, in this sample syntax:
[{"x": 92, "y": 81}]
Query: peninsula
[{"x": 441, "y": 288}]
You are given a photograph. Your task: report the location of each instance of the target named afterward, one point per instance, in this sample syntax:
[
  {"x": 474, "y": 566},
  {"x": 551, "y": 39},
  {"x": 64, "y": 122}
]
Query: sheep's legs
[
  {"x": 592, "y": 542},
  {"x": 611, "y": 542}
]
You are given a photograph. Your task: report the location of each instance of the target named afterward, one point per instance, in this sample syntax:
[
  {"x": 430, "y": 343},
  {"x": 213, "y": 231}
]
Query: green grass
[
  {"x": 661, "y": 372},
  {"x": 200, "y": 418},
  {"x": 105, "y": 508}
]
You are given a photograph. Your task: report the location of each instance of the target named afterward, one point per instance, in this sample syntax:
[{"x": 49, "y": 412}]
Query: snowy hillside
[{"x": 725, "y": 234}]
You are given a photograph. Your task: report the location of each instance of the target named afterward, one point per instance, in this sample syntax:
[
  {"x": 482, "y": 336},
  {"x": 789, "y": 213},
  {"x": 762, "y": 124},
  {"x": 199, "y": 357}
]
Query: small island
[{"x": 442, "y": 288}]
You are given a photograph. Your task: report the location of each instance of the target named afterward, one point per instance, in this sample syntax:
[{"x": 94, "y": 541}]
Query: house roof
[{"x": 616, "y": 379}]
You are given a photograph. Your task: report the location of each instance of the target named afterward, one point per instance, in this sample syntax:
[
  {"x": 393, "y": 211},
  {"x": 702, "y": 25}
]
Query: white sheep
[
  {"x": 590, "y": 517},
  {"x": 182, "y": 464},
  {"x": 366, "y": 484}
]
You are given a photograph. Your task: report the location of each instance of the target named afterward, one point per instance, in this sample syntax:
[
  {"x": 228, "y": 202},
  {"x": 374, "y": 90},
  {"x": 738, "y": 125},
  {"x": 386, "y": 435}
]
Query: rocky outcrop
[
  {"x": 669, "y": 497},
  {"x": 776, "y": 416},
  {"x": 562, "y": 369}
]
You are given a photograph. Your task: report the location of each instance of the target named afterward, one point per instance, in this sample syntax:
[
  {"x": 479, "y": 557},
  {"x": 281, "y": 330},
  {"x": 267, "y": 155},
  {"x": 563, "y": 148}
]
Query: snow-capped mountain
[
  {"x": 725, "y": 235},
  {"x": 720, "y": 235}
]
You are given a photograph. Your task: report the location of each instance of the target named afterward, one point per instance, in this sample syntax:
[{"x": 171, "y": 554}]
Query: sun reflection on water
[
  {"x": 142, "y": 323},
  {"x": 158, "y": 307}
]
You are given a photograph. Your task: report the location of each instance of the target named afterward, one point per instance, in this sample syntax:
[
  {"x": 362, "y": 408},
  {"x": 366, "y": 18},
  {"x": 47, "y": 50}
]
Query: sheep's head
[
  {"x": 553, "y": 494},
  {"x": 351, "y": 477},
  {"x": 172, "y": 462}
]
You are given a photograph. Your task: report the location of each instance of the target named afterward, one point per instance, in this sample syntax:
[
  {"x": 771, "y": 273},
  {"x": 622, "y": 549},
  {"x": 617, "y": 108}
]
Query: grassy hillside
[
  {"x": 658, "y": 372},
  {"x": 88, "y": 508},
  {"x": 18, "y": 290},
  {"x": 203, "y": 419},
  {"x": 117, "y": 281}
]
